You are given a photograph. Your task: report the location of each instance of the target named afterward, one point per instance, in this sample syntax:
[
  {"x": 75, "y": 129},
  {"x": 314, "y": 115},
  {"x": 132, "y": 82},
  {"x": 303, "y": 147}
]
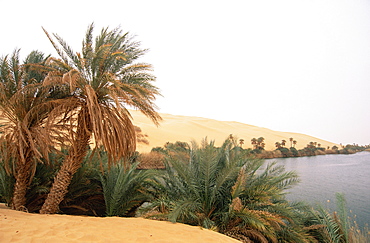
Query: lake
[{"x": 324, "y": 175}]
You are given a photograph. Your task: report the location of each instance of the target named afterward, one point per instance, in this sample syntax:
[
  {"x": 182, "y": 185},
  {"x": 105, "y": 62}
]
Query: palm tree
[
  {"x": 24, "y": 105},
  {"x": 283, "y": 142},
  {"x": 241, "y": 142},
  {"x": 254, "y": 143},
  {"x": 223, "y": 189},
  {"x": 291, "y": 142},
  {"x": 294, "y": 143},
  {"x": 103, "y": 83},
  {"x": 260, "y": 140},
  {"x": 278, "y": 145}
]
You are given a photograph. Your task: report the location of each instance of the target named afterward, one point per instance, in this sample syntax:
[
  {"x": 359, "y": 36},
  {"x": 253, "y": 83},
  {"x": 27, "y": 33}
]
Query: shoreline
[{"x": 301, "y": 153}]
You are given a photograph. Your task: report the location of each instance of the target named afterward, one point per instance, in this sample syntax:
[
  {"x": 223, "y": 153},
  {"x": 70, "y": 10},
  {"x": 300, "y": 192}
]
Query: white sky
[{"x": 294, "y": 66}]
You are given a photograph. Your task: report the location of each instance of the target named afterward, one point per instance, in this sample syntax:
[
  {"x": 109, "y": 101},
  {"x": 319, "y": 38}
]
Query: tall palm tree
[
  {"x": 103, "y": 82},
  {"x": 24, "y": 106}
]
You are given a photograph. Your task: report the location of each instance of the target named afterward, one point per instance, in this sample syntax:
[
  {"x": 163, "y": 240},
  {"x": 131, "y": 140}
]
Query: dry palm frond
[
  {"x": 237, "y": 204},
  {"x": 247, "y": 235}
]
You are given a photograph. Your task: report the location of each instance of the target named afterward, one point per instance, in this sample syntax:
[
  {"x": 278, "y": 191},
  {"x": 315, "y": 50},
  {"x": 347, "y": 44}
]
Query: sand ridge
[
  {"x": 26, "y": 227},
  {"x": 186, "y": 129}
]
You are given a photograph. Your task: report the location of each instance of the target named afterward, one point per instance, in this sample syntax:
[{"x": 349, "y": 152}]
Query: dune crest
[{"x": 186, "y": 128}]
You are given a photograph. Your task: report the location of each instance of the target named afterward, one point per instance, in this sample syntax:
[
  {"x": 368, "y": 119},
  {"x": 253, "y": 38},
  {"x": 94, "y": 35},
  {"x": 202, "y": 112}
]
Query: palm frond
[
  {"x": 57, "y": 49},
  {"x": 124, "y": 189}
]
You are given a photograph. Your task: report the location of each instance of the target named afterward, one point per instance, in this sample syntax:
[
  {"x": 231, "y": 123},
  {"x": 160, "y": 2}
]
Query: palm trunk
[
  {"x": 69, "y": 167},
  {"x": 21, "y": 183}
]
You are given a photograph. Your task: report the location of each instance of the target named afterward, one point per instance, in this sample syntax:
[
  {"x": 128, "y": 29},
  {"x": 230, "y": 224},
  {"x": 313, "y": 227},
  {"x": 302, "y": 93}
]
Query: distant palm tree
[
  {"x": 283, "y": 142},
  {"x": 311, "y": 145},
  {"x": 254, "y": 143},
  {"x": 25, "y": 104},
  {"x": 103, "y": 82},
  {"x": 262, "y": 145},
  {"x": 291, "y": 142},
  {"x": 259, "y": 143},
  {"x": 278, "y": 145},
  {"x": 260, "y": 140},
  {"x": 241, "y": 142},
  {"x": 294, "y": 143}
]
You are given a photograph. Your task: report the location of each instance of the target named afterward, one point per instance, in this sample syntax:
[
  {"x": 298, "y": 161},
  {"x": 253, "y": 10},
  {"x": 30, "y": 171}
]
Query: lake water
[{"x": 324, "y": 175}]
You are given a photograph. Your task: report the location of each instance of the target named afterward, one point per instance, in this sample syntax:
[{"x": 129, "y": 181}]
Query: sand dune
[
  {"x": 24, "y": 227},
  {"x": 185, "y": 129}
]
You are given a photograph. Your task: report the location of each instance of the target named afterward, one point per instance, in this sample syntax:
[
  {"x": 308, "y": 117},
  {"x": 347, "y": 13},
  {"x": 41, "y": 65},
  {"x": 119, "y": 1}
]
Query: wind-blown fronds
[
  {"x": 105, "y": 82},
  {"x": 25, "y": 104}
]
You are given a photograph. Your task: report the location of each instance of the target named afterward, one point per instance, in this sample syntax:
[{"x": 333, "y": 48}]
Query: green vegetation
[
  {"x": 101, "y": 81},
  {"x": 337, "y": 226},
  {"x": 221, "y": 188},
  {"x": 124, "y": 189},
  {"x": 311, "y": 149},
  {"x": 53, "y": 108}
]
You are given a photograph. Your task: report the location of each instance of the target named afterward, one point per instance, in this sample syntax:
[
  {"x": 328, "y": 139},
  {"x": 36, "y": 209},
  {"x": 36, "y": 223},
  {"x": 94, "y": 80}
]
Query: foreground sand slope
[
  {"x": 185, "y": 129},
  {"x": 24, "y": 227}
]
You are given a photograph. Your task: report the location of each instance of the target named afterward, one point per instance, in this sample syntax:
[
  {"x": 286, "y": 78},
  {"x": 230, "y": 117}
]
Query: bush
[
  {"x": 294, "y": 152},
  {"x": 285, "y": 152}
]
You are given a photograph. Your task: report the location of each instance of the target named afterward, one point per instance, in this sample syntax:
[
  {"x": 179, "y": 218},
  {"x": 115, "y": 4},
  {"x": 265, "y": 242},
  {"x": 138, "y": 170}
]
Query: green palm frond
[
  {"x": 7, "y": 181},
  {"x": 335, "y": 227},
  {"x": 124, "y": 189}
]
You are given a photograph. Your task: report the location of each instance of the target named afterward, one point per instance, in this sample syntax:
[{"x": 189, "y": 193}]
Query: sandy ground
[
  {"x": 25, "y": 227},
  {"x": 186, "y": 129}
]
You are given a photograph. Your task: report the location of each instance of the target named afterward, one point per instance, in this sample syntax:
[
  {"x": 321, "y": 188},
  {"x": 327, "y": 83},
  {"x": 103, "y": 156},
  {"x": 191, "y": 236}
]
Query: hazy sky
[{"x": 297, "y": 66}]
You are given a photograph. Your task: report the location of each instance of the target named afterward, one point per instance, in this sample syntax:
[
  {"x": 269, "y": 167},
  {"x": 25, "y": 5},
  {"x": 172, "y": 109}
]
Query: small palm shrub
[
  {"x": 222, "y": 188},
  {"x": 124, "y": 189},
  {"x": 336, "y": 227},
  {"x": 95, "y": 190},
  {"x": 85, "y": 193}
]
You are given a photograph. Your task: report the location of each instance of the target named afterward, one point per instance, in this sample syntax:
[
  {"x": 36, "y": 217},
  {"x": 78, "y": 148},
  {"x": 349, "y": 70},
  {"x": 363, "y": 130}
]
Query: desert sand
[
  {"x": 186, "y": 129},
  {"x": 26, "y": 227}
]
